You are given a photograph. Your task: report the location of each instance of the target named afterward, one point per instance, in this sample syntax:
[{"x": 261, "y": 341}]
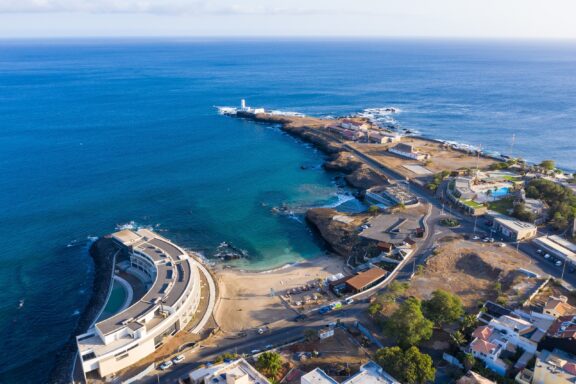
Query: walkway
[{"x": 211, "y": 299}]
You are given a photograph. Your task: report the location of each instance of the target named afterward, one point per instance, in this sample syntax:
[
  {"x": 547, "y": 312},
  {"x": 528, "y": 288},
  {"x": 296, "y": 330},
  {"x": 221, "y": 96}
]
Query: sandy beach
[{"x": 246, "y": 302}]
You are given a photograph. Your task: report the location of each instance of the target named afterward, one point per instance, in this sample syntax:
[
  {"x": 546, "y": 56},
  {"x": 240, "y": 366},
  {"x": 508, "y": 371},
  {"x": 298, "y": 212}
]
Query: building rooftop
[
  {"x": 172, "y": 277},
  {"x": 364, "y": 279},
  {"x": 555, "y": 367},
  {"x": 317, "y": 376},
  {"x": 510, "y": 222},
  {"x": 371, "y": 373},
  {"x": 236, "y": 372},
  {"x": 483, "y": 346}
]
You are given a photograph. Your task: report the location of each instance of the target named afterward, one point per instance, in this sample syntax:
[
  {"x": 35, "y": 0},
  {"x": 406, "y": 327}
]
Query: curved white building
[{"x": 173, "y": 282}]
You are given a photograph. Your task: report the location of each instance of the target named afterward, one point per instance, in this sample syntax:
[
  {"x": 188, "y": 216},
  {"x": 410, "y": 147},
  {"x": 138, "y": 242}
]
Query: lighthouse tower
[{"x": 243, "y": 104}]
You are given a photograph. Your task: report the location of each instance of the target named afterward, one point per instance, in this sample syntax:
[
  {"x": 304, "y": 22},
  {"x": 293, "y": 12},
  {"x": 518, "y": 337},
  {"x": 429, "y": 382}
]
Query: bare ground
[{"x": 471, "y": 270}]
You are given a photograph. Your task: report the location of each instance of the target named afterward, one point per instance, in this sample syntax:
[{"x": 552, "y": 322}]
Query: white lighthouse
[{"x": 243, "y": 104}]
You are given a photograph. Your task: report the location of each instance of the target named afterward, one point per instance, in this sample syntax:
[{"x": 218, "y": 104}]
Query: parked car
[
  {"x": 324, "y": 310},
  {"x": 558, "y": 263},
  {"x": 501, "y": 245},
  {"x": 348, "y": 301},
  {"x": 178, "y": 359},
  {"x": 254, "y": 351},
  {"x": 476, "y": 238},
  {"x": 165, "y": 365},
  {"x": 538, "y": 251},
  {"x": 300, "y": 317},
  {"x": 547, "y": 256}
]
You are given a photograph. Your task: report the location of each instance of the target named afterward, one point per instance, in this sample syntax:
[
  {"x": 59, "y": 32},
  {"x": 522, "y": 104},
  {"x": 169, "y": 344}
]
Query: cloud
[{"x": 153, "y": 7}]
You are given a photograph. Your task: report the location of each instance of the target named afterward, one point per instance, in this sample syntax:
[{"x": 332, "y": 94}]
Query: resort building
[
  {"x": 170, "y": 302},
  {"x": 235, "y": 372},
  {"x": 369, "y": 373},
  {"x": 461, "y": 193},
  {"x": 556, "y": 367},
  {"x": 557, "y": 247},
  {"x": 408, "y": 151},
  {"x": 511, "y": 228}
]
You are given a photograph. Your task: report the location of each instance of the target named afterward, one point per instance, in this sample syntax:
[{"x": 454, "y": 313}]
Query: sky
[{"x": 525, "y": 19}]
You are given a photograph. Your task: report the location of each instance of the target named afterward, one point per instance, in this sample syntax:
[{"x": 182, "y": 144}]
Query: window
[{"x": 88, "y": 356}]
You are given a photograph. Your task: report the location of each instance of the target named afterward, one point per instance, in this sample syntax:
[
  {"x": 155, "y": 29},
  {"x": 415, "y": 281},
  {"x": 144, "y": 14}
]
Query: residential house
[
  {"x": 369, "y": 373},
  {"x": 235, "y": 372},
  {"x": 408, "y": 151}
]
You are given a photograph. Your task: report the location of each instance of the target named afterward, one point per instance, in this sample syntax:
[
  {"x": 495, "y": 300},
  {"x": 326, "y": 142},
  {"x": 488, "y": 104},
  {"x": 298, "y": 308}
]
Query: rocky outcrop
[
  {"x": 341, "y": 237},
  {"x": 365, "y": 177},
  {"x": 342, "y": 161},
  {"x": 102, "y": 252},
  {"x": 319, "y": 140}
]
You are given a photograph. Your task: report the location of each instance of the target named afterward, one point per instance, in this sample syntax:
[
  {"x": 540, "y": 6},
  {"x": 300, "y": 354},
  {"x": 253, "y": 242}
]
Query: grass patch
[
  {"x": 501, "y": 206},
  {"x": 471, "y": 203}
]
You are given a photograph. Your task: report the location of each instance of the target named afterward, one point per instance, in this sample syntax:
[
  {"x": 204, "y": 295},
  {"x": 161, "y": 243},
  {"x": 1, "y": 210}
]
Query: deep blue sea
[{"x": 99, "y": 134}]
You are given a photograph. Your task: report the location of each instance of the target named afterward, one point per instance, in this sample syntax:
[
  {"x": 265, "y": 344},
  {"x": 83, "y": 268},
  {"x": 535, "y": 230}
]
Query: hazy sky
[{"x": 408, "y": 18}]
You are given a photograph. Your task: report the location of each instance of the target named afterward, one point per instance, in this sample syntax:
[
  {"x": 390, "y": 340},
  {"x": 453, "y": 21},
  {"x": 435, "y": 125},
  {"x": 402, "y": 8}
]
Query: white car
[
  {"x": 547, "y": 256},
  {"x": 476, "y": 238},
  {"x": 502, "y": 245},
  {"x": 539, "y": 251},
  {"x": 558, "y": 263},
  {"x": 254, "y": 351},
  {"x": 348, "y": 301},
  {"x": 178, "y": 359},
  {"x": 165, "y": 365}
]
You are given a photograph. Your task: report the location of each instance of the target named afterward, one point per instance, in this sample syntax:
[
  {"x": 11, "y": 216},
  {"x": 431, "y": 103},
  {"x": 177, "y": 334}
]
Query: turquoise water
[
  {"x": 500, "y": 192},
  {"x": 115, "y": 301},
  {"x": 97, "y": 134}
]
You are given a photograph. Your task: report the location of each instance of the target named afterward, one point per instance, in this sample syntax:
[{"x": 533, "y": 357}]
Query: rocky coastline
[
  {"x": 341, "y": 237},
  {"x": 102, "y": 252}
]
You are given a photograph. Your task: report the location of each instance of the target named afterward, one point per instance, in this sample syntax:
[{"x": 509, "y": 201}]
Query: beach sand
[{"x": 245, "y": 300}]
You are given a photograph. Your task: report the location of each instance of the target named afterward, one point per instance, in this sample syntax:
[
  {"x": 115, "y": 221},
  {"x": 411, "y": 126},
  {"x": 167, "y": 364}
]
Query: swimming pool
[{"x": 115, "y": 301}]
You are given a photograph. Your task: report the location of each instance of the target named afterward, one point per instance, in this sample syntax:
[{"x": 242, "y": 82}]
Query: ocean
[{"x": 97, "y": 135}]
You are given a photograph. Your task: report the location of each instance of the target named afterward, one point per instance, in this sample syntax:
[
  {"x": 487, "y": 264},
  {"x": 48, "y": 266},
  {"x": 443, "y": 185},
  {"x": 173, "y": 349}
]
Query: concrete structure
[
  {"x": 395, "y": 228},
  {"x": 557, "y": 247},
  {"x": 392, "y": 193},
  {"x": 408, "y": 151},
  {"x": 173, "y": 295},
  {"x": 369, "y": 373},
  {"x": 556, "y": 367},
  {"x": 511, "y": 228},
  {"x": 236, "y": 372}
]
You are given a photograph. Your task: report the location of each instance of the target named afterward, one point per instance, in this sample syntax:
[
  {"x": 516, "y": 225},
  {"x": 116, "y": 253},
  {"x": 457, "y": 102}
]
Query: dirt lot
[
  {"x": 337, "y": 354},
  {"x": 442, "y": 157},
  {"x": 471, "y": 269}
]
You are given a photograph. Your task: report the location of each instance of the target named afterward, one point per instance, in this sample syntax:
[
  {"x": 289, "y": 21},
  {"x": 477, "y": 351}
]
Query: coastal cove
[{"x": 125, "y": 134}]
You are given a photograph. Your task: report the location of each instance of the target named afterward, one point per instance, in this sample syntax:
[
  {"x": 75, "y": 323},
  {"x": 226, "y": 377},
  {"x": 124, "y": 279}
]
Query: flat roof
[
  {"x": 238, "y": 369},
  {"x": 371, "y": 373},
  {"x": 173, "y": 271},
  {"x": 363, "y": 279},
  {"x": 318, "y": 376},
  {"x": 393, "y": 228},
  {"x": 511, "y": 223}
]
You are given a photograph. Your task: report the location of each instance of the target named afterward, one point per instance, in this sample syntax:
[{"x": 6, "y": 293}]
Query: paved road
[{"x": 279, "y": 333}]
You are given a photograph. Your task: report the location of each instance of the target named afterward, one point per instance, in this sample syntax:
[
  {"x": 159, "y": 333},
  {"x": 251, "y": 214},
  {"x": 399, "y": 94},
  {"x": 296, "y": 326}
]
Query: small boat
[{"x": 20, "y": 303}]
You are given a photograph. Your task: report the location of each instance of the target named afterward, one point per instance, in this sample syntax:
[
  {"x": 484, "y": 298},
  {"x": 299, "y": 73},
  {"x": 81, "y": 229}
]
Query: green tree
[
  {"x": 458, "y": 338},
  {"x": 468, "y": 322},
  {"x": 407, "y": 325},
  {"x": 374, "y": 209},
  {"x": 374, "y": 308},
  {"x": 469, "y": 361},
  {"x": 410, "y": 366},
  {"x": 269, "y": 363},
  {"x": 548, "y": 165},
  {"x": 443, "y": 307}
]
